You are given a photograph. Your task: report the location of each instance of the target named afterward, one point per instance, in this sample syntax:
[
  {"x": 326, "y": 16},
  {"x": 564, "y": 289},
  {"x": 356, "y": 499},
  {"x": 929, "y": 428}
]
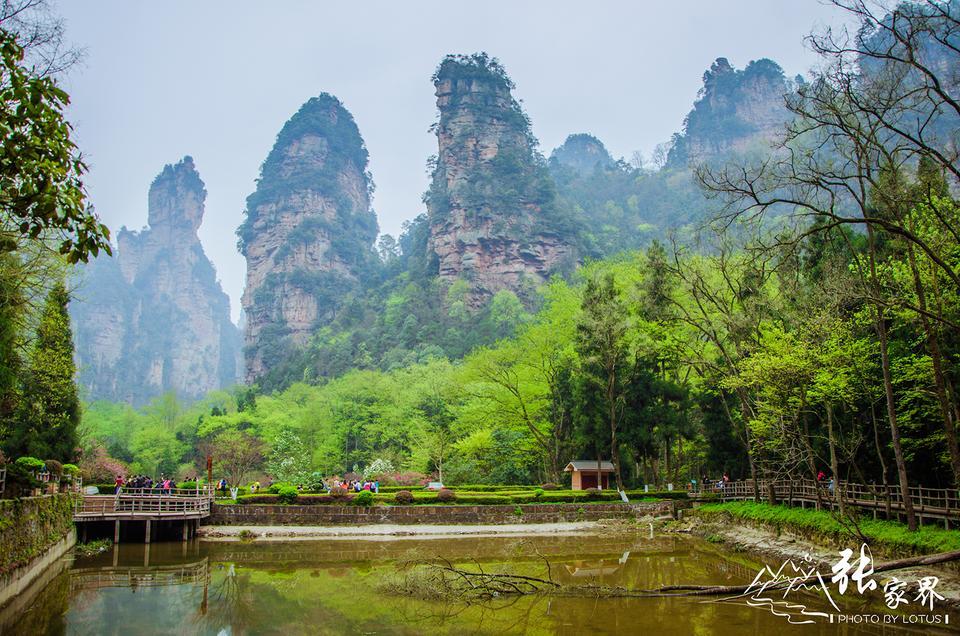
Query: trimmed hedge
[
  {"x": 426, "y": 497},
  {"x": 300, "y": 500}
]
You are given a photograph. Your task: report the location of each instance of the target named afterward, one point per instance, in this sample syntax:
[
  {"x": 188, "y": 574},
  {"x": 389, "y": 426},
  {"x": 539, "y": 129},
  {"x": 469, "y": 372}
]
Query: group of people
[
  {"x": 163, "y": 486},
  {"x": 706, "y": 482},
  {"x": 355, "y": 485}
]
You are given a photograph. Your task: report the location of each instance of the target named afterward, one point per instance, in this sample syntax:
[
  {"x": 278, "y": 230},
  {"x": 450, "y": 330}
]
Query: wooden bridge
[
  {"x": 137, "y": 576},
  {"x": 148, "y": 505},
  {"x": 941, "y": 504}
]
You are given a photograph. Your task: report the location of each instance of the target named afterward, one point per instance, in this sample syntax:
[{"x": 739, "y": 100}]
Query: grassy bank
[{"x": 822, "y": 526}]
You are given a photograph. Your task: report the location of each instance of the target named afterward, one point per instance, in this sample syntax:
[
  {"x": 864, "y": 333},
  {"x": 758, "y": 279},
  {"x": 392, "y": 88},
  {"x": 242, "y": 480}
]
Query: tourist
[
  {"x": 376, "y": 486},
  {"x": 821, "y": 476},
  {"x": 830, "y": 485},
  {"x": 118, "y": 482}
]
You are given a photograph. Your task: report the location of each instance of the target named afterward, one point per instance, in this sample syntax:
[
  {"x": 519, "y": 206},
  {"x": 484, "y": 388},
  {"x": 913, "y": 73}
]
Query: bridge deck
[{"x": 133, "y": 505}]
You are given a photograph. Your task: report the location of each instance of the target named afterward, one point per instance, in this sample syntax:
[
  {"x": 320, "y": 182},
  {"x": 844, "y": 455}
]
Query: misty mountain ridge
[{"x": 324, "y": 296}]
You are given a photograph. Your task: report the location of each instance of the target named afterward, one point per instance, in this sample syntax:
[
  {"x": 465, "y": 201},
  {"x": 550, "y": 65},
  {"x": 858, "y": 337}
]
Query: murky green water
[{"x": 334, "y": 587}]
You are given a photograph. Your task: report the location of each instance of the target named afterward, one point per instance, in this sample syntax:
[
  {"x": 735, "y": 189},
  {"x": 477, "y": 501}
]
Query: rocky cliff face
[
  {"x": 308, "y": 234},
  {"x": 491, "y": 204},
  {"x": 154, "y": 318},
  {"x": 736, "y": 111}
]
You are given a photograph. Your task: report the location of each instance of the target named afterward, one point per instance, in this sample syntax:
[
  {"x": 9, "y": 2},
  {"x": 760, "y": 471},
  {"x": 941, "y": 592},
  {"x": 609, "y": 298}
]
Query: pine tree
[
  {"x": 47, "y": 425},
  {"x": 11, "y": 315}
]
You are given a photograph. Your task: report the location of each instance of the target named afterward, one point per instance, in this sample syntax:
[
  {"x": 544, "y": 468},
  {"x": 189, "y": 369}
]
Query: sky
[{"x": 217, "y": 80}]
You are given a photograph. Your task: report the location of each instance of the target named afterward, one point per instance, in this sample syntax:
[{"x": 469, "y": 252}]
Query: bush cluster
[{"x": 287, "y": 494}]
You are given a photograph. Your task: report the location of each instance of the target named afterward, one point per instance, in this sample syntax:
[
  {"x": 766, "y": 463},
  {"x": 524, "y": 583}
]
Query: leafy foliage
[{"x": 41, "y": 192}]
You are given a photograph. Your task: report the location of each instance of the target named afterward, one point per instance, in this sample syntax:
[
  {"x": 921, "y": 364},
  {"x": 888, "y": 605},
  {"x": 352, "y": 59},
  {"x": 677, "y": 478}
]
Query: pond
[{"x": 336, "y": 586}]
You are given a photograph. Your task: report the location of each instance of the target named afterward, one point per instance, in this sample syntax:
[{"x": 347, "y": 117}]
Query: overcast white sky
[{"x": 217, "y": 80}]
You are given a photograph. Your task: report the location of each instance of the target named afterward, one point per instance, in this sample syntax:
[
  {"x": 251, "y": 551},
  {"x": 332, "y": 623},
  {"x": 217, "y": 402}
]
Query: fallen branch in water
[{"x": 441, "y": 579}]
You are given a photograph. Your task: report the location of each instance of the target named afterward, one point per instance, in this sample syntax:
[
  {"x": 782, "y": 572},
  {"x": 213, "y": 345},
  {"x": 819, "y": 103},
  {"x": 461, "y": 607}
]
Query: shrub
[
  {"x": 658, "y": 494},
  {"x": 274, "y": 489},
  {"x": 338, "y": 493},
  {"x": 247, "y": 535},
  {"x": 594, "y": 493},
  {"x": 54, "y": 467},
  {"x": 550, "y": 486},
  {"x": 20, "y": 477},
  {"x": 187, "y": 485},
  {"x": 257, "y": 499},
  {"x": 315, "y": 482},
  {"x": 483, "y": 499},
  {"x": 287, "y": 494},
  {"x": 403, "y": 498},
  {"x": 30, "y": 463},
  {"x": 378, "y": 467},
  {"x": 71, "y": 469},
  {"x": 491, "y": 488},
  {"x": 446, "y": 496},
  {"x": 363, "y": 498},
  {"x": 538, "y": 493},
  {"x": 405, "y": 479}
]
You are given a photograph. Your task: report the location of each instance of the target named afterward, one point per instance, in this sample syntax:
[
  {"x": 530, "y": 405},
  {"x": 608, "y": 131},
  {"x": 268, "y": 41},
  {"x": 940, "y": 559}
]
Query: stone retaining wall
[
  {"x": 322, "y": 515},
  {"x": 34, "y": 532}
]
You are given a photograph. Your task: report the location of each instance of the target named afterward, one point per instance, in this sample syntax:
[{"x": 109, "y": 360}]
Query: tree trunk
[
  {"x": 808, "y": 448},
  {"x": 888, "y": 390},
  {"x": 933, "y": 346},
  {"x": 834, "y": 463},
  {"x": 614, "y": 454},
  {"x": 883, "y": 462}
]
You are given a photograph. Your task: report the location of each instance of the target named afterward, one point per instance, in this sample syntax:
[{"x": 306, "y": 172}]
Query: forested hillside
[{"x": 779, "y": 296}]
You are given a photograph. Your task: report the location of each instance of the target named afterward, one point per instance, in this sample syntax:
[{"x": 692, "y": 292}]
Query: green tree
[
  {"x": 289, "y": 459},
  {"x": 603, "y": 349},
  {"x": 235, "y": 454},
  {"x": 50, "y": 411},
  {"x": 41, "y": 192}
]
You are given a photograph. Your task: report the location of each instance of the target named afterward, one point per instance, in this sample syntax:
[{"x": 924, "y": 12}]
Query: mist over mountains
[{"x": 323, "y": 295}]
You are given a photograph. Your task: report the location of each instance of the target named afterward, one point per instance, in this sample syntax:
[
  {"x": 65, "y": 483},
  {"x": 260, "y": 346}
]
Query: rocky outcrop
[
  {"x": 491, "y": 204},
  {"x": 736, "y": 111},
  {"x": 308, "y": 234},
  {"x": 154, "y": 318},
  {"x": 582, "y": 153}
]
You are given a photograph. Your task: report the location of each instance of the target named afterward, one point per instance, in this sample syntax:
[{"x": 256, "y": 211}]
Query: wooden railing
[
  {"x": 134, "y": 576},
  {"x": 3, "y": 481},
  {"x": 172, "y": 502},
  {"x": 933, "y": 502}
]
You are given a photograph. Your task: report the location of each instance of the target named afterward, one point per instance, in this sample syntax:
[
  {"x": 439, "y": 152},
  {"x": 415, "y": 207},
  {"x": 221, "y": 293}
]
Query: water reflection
[{"x": 334, "y": 587}]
